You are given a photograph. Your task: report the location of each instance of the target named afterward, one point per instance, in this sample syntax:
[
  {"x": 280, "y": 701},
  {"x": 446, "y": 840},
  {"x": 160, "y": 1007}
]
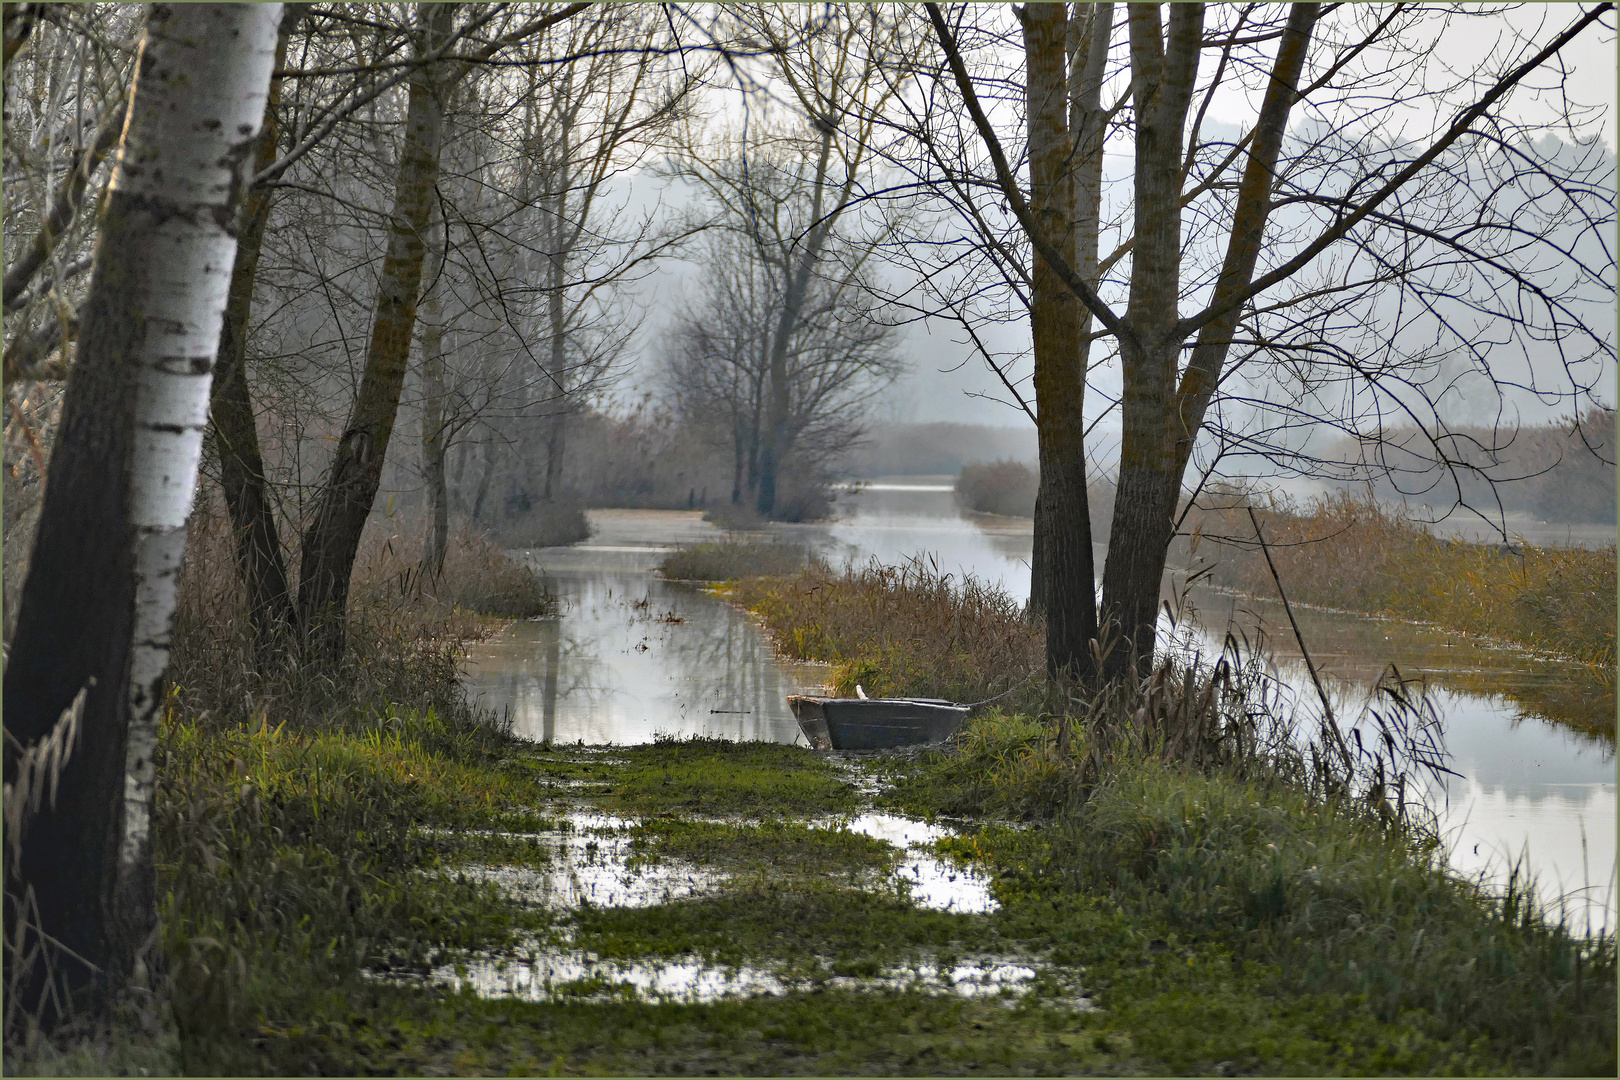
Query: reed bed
[
  {"x": 905, "y": 630},
  {"x": 732, "y": 560},
  {"x": 1343, "y": 552}
]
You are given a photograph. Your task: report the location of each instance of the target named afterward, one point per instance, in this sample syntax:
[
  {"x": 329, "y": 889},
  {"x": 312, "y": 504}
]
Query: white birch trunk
[{"x": 194, "y": 117}]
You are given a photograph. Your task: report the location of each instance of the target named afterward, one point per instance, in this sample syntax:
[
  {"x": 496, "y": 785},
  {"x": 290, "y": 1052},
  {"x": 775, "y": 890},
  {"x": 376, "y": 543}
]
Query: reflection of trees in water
[
  {"x": 1579, "y": 700},
  {"x": 724, "y": 657}
]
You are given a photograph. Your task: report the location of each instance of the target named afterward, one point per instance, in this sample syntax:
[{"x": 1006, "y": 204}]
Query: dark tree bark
[
  {"x": 776, "y": 438},
  {"x": 1161, "y": 420},
  {"x": 259, "y": 557},
  {"x": 1067, "y": 576},
  {"x": 346, "y": 498}
]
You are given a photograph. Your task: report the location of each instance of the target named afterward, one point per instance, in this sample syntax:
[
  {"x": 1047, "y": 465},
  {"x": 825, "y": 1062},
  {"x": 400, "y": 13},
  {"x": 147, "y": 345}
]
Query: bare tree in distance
[
  {"x": 791, "y": 205},
  {"x": 719, "y": 354}
]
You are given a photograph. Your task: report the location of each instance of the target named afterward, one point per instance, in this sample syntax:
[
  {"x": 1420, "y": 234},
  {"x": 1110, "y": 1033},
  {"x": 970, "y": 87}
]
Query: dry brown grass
[
  {"x": 902, "y": 630},
  {"x": 406, "y": 629},
  {"x": 1341, "y": 552}
]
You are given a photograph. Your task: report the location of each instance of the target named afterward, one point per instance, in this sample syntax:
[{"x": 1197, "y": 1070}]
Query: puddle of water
[
  {"x": 591, "y": 861},
  {"x": 548, "y": 975},
  {"x": 929, "y": 881}
]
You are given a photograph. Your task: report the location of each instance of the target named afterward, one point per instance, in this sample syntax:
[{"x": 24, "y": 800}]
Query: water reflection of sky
[{"x": 631, "y": 657}]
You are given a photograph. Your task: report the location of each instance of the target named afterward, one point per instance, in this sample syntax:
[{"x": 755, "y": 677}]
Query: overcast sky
[{"x": 947, "y": 381}]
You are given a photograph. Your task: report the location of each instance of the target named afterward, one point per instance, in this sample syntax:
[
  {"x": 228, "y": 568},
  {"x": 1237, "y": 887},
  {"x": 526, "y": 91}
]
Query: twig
[{"x": 1331, "y": 724}]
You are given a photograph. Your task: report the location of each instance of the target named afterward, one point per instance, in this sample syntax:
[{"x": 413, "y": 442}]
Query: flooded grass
[
  {"x": 703, "y": 777},
  {"x": 769, "y": 847}
]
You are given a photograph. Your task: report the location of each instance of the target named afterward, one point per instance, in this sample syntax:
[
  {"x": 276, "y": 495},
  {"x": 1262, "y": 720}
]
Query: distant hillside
[{"x": 919, "y": 449}]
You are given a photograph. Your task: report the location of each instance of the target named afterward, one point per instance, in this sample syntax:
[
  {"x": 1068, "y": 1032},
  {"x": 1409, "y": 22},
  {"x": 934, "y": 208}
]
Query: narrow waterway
[{"x": 632, "y": 656}]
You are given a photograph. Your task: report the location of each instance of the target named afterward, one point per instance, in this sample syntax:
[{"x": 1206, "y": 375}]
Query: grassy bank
[
  {"x": 1341, "y": 552},
  {"x": 902, "y": 630},
  {"x": 1240, "y": 854}
]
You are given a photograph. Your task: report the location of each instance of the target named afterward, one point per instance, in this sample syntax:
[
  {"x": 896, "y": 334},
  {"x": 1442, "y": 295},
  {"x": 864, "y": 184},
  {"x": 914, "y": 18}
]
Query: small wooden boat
[{"x": 863, "y": 723}]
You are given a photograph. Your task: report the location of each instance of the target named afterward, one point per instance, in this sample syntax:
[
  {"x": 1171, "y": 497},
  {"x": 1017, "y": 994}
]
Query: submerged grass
[
  {"x": 769, "y": 847},
  {"x": 701, "y": 777}
]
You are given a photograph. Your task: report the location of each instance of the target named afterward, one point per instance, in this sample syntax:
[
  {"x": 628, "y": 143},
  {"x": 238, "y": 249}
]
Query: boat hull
[{"x": 874, "y": 723}]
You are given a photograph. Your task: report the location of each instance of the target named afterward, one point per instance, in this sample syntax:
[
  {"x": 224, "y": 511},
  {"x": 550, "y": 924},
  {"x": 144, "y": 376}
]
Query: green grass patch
[
  {"x": 815, "y": 926},
  {"x": 775, "y": 847},
  {"x": 703, "y": 777},
  {"x": 1335, "y": 902}
]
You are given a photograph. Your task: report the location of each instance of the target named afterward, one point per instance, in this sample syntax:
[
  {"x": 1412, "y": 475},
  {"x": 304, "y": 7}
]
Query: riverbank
[
  {"x": 1337, "y": 894},
  {"x": 1344, "y": 553}
]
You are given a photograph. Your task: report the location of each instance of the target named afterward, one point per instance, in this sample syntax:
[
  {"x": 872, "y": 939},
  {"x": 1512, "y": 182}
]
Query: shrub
[
  {"x": 1001, "y": 487},
  {"x": 543, "y": 524},
  {"x": 730, "y": 560}
]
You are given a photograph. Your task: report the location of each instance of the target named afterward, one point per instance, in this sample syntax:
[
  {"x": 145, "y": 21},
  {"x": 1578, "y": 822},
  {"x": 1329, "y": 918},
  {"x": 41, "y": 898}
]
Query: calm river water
[{"x": 632, "y": 656}]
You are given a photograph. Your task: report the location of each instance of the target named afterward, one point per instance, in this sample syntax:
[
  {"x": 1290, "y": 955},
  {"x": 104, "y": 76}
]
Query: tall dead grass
[
  {"x": 406, "y": 630},
  {"x": 1343, "y": 552},
  {"x": 902, "y": 630}
]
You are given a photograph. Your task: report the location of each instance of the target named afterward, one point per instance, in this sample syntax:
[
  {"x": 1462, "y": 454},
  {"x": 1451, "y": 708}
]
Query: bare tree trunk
[
  {"x": 1064, "y": 523},
  {"x": 1164, "y": 67},
  {"x": 83, "y": 685},
  {"x": 433, "y": 433},
  {"x": 346, "y": 498},
  {"x": 486, "y": 445},
  {"x": 1161, "y": 420},
  {"x": 433, "y": 423},
  {"x": 556, "y": 432},
  {"x": 259, "y": 557}
]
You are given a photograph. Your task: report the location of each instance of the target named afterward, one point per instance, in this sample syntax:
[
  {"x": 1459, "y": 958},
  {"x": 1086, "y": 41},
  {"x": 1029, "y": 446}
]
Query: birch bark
[{"x": 98, "y": 604}]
